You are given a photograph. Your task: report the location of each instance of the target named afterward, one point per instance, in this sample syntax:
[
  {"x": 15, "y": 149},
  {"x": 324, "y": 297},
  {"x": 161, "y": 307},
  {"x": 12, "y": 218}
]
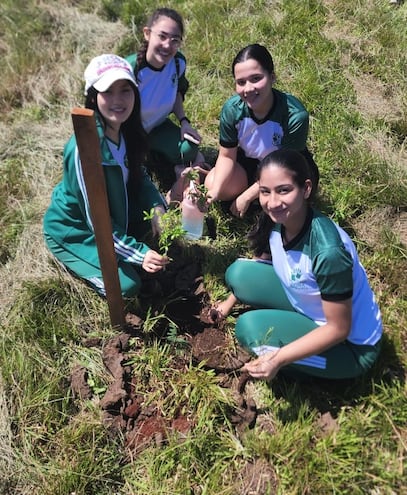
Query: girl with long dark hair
[{"x": 111, "y": 91}]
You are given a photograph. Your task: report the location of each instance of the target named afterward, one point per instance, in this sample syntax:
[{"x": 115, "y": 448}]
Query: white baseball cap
[{"x": 106, "y": 69}]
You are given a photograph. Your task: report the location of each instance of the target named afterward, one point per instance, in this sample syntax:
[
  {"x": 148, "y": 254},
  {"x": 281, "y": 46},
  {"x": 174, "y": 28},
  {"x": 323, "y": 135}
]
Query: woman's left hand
[
  {"x": 187, "y": 130},
  {"x": 264, "y": 367}
]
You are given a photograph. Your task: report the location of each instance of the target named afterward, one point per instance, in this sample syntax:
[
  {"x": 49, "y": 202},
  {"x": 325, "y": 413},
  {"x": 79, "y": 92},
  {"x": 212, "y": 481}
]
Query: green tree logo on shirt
[
  {"x": 295, "y": 275},
  {"x": 276, "y": 139}
]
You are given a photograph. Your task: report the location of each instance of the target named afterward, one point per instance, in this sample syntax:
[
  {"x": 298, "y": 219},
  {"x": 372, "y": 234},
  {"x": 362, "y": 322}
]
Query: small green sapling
[{"x": 170, "y": 225}]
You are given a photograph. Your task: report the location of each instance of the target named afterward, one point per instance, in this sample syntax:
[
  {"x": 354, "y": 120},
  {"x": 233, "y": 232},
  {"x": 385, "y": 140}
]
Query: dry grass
[
  {"x": 369, "y": 226},
  {"x": 6, "y": 451},
  {"x": 375, "y": 99},
  {"x": 87, "y": 35}
]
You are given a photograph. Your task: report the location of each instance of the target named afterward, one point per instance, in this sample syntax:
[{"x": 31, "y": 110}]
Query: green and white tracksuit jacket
[{"x": 68, "y": 223}]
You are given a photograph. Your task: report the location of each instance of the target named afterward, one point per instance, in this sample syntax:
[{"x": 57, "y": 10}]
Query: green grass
[{"x": 347, "y": 62}]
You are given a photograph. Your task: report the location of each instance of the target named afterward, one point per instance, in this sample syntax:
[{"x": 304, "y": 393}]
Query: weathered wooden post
[{"x": 87, "y": 139}]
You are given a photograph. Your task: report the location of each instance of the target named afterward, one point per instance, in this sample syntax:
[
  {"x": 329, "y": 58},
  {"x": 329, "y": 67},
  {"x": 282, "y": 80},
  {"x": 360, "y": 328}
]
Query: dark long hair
[
  {"x": 298, "y": 167},
  {"x": 134, "y": 135},
  {"x": 256, "y": 52},
  {"x": 161, "y": 12}
]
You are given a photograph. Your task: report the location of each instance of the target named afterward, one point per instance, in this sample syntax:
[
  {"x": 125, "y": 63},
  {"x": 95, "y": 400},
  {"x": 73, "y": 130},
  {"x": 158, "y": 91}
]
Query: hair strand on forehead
[{"x": 294, "y": 162}]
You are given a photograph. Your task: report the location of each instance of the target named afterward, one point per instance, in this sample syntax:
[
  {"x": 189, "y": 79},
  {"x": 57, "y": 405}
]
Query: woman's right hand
[
  {"x": 154, "y": 262},
  {"x": 265, "y": 367},
  {"x": 240, "y": 206}
]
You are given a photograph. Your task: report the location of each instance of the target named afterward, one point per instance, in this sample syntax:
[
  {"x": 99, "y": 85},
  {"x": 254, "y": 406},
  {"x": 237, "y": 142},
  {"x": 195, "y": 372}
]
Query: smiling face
[
  {"x": 254, "y": 86},
  {"x": 164, "y": 38},
  {"x": 116, "y": 104},
  {"x": 283, "y": 200}
]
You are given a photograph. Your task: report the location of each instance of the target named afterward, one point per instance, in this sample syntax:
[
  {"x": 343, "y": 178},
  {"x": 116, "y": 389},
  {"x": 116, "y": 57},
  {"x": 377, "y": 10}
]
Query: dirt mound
[
  {"x": 143, "y": 424},
  {"x": 216, "y": 349}
]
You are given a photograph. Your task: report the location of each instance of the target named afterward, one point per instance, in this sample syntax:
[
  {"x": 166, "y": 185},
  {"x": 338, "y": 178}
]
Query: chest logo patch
[
  {"x": 276, "y": 139},
  {"x": 296, "y": 279},
  {"x": 295, "y": 275}
]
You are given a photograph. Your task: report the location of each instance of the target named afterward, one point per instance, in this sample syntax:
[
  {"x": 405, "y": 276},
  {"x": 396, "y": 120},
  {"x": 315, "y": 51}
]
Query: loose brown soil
[{"x": 179, "y": 294}]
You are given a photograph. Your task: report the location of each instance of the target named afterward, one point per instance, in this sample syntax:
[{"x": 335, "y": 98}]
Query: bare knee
[{"x": 230, "y": 186}]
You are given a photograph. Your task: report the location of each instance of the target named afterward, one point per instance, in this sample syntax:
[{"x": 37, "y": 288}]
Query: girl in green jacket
[{"x": 111, "y": 91}]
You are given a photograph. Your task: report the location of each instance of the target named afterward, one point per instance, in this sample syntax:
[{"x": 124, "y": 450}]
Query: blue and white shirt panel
[
  {"x": 324, "y": 265},
  {"x": 158, "y": 91}
]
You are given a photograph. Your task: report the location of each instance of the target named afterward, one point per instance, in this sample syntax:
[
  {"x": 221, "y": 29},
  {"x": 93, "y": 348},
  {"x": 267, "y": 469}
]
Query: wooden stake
[{"x": 87, "y": 139}]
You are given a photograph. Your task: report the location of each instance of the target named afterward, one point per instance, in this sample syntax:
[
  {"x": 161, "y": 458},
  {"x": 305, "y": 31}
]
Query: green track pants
[
  {"x": 129, "y": 279},
  {"x": 275, "y": 323}
]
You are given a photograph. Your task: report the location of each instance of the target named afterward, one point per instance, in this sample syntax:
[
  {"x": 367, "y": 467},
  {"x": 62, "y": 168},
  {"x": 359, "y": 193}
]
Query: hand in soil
[{"x": 222, "y": 309}]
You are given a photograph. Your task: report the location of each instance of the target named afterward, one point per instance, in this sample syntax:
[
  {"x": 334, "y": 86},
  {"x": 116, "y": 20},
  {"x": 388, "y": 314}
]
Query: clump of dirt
[
  {"x": 79, "y": 383},
  {"x": 179, "y": 294},
  {"x": 217, "y": 350},
  {"x": 182, "y": 276}
]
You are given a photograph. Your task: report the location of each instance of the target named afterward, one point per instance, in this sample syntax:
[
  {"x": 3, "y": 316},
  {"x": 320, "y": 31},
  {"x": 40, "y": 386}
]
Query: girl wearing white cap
[{"x": 111, "y": 91}]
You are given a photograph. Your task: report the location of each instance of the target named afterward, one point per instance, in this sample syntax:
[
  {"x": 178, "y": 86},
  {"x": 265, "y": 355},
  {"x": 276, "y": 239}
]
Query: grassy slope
[{"x": 346, "y": 61}]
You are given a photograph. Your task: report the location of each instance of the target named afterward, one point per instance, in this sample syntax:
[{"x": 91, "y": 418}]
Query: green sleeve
[
  {"x": 229, "y": 117},
  {"x": 132, "y": 60},
  {"x": 333, "y": 270},
  {"x": 296, "y": 134}
]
